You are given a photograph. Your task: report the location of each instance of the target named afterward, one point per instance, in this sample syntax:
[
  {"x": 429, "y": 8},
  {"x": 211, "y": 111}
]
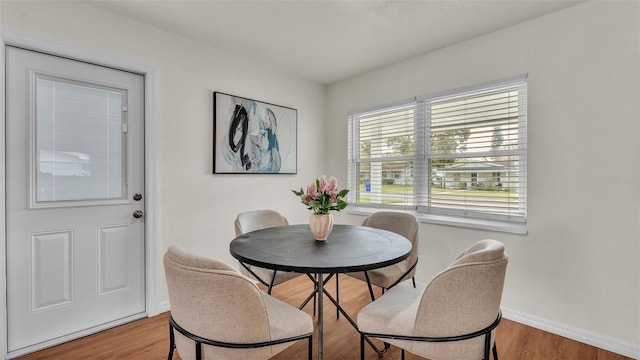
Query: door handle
[{"x": 138, "y": 214}]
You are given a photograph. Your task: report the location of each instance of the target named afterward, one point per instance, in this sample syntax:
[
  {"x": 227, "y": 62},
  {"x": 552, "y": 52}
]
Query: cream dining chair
[
  {"x": 255, "y": 220},
  {"x": 218, "y": 313},
  {"x": 453, "y": 317},
  {"x": 401, "y": 223}
]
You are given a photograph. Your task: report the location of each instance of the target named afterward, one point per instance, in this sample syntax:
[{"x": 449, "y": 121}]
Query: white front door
[{"x": 74, "y": 198}]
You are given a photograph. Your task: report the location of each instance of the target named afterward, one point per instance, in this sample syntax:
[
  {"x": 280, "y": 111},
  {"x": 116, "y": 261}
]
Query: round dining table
[{"x": 349, "y": 248}]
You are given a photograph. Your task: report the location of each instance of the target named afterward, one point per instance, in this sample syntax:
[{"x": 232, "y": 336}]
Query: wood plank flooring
[{"x": 148, "y": 339}]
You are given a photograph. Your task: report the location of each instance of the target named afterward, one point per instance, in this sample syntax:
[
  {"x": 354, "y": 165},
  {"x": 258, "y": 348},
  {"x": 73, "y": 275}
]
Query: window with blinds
[{"x": 458, "y": 155}]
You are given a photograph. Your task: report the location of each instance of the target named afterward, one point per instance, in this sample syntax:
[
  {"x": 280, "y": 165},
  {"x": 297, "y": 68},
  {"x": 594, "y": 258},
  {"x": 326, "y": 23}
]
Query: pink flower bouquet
[{"x": 323, "y": 196}]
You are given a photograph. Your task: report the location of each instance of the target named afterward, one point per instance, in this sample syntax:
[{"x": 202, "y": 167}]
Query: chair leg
[
  {"x": 172, "y": 342},
  {"x": 366, "y": 275},
  {"x": 361, "y": 346},
  {"x": 402, "y": 352},
  {"x": 337, "y": 297},
  {"x": 487, "y": 346},
  {"x": 310, "y": 348},
  {"x": 198, "y": 350},
  {"x": 414, "y": 282},
  {"x": 495, "y": 351},
  {"x": 273, "y": 278}
]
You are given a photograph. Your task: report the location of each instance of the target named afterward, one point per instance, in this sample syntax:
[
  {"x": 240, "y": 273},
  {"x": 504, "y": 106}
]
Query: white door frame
[{"x": 8, "y": 37}]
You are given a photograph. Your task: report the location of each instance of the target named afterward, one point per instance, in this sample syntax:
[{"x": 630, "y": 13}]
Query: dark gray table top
[{"x": 293, "y": 248}]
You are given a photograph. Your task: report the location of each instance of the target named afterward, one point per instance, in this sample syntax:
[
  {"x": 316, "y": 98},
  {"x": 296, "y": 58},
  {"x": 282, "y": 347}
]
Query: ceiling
[{"x": 331, "y": 40}]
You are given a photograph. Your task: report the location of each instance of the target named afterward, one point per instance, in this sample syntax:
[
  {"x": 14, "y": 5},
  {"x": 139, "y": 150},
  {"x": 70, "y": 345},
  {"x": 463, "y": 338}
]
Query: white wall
[
  {"x": 195, "y": 207},
  {"x": 577, "y": 271}
]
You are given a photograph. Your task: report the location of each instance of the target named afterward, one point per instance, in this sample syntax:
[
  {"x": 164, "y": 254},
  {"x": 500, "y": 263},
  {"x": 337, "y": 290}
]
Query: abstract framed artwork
[{"x": 253, "y": 137}]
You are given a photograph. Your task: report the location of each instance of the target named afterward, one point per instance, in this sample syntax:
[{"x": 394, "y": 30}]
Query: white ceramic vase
[{"x": 321, "y": 225}]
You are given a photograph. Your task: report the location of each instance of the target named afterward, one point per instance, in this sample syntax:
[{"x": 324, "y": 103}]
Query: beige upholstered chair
[
  {"x": 255, "y": 220},
  {"x": 218, "y": 313},
  {"x": 401, "y": 223},
  {"x": 452, "y": 317}
]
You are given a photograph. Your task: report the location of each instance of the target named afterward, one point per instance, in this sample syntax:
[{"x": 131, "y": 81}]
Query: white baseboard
[
  {"x": 163, "y": 306},
  {"x": 616, "y": 346}
]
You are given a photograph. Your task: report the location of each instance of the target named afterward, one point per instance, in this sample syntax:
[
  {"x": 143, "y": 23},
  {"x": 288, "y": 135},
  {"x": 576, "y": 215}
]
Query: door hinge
[{"x": 125, "y": 128}]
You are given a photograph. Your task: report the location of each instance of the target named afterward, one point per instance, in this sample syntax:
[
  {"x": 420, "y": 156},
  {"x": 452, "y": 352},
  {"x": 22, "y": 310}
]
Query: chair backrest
[
  {"x": 465, "y": 297},
  {"x": 258, "y": 219},
  {"x": 211, "y": 299},
  {"x": 401, "y": 223}
]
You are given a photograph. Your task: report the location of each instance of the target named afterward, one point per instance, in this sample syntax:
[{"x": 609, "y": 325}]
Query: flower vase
[{"x": 321, "y": 226}]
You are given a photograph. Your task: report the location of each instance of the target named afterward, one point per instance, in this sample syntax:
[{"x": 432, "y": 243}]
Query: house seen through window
[{"x": 458, "y": 156}]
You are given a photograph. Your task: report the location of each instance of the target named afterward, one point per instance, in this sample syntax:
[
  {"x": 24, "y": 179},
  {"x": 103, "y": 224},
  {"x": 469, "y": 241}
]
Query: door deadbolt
[
  {"x": 138, "y": 214},
  {"x": 137, "y": 196}
]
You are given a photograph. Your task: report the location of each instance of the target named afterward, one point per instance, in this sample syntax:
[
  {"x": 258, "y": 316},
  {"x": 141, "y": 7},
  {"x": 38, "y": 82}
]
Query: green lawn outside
[
  {"x": 408, "y": 189},
  {"x": 387, "y": 201}
]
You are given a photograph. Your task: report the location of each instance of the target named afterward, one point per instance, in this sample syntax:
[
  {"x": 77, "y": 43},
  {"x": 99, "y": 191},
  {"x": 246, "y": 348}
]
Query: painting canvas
[{"x": 253, "y": 137}]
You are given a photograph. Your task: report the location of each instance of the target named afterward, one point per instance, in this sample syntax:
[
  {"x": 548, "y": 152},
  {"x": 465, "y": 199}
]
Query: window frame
[{"x": 418, "y": 203}]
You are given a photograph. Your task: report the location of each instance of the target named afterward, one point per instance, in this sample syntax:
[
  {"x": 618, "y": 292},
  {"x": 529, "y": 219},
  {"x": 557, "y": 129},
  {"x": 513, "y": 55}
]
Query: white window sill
[{"x": 500, "y": 226}]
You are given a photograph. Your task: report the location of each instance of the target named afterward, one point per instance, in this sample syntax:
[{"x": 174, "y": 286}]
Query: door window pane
[{"x": 79, "y": 141}]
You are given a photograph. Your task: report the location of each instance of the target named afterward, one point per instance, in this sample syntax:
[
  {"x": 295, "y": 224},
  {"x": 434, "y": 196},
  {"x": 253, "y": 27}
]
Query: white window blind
[
  {"x": 461, "y": 154},
  {"x": 382, "y": 153}
]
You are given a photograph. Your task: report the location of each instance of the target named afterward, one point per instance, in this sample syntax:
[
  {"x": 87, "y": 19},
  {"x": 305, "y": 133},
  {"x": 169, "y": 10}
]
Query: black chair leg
[
  {"x": 402, "y": 356},
  {"x": 273, "y": 278},
  {"x": 337, "y": 297},
  {"x": 198, "y": 351},
  {"x": 310, "y": 348},
  {"x": 361, "y": 347},
  {"x": 487, "y": 346},
  {"x": 172, "y": 342},
  {"x": 366, "y": 276},
  {"x": 495, "y": 351}
]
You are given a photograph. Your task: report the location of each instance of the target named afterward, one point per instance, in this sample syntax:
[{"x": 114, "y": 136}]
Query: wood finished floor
[{"x": 149, "y": 339}]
